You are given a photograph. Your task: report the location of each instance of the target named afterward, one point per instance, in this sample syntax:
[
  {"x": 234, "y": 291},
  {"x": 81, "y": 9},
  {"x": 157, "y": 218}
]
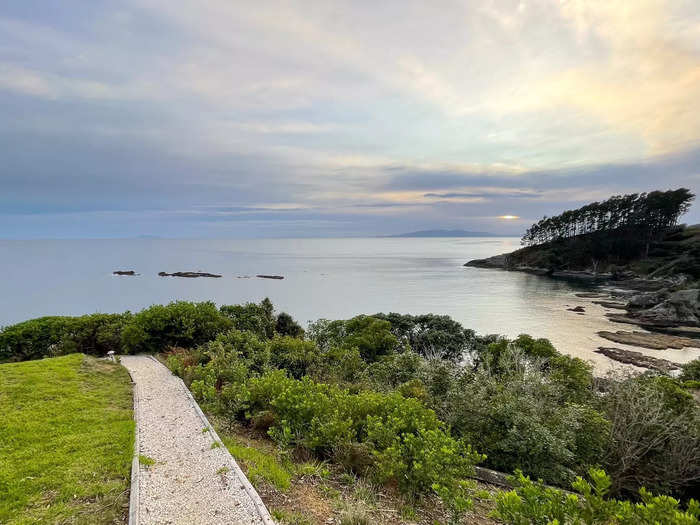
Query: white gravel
[{"x": 190, "y": 482}]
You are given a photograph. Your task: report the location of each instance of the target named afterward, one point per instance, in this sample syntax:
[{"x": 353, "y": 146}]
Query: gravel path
[{"x": 190, "y": 482}]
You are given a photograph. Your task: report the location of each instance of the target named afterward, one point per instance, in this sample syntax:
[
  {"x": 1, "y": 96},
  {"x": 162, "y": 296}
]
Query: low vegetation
[
  {"x": 66, "y": 441},
  {"x": 412, "y": 403},
  {"x": 534, "y": 503}
]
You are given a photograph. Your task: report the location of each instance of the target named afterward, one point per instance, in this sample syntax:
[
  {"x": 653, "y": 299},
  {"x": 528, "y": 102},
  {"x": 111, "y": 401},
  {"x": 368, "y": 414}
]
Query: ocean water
[{"x": 324, "y": 278}]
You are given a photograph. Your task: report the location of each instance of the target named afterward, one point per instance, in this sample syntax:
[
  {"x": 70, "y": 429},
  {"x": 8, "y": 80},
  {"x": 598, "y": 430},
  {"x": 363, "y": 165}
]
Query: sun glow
[{"x": 508, "y": 217}]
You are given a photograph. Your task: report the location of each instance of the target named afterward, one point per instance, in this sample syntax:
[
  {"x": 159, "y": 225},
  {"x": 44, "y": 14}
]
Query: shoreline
[{"x": 618, "y": 296}]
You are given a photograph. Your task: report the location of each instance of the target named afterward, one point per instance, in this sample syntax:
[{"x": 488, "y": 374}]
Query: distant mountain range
[{"x": 447, "y": 233}]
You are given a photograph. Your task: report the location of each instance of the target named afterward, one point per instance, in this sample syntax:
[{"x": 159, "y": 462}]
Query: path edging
[
  {"x": 260, "y": 507},
  {"x": 134, "y": 491}
]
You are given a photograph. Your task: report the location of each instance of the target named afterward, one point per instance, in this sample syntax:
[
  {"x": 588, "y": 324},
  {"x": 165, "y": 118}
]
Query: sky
[{"x": 227, "y": 119}]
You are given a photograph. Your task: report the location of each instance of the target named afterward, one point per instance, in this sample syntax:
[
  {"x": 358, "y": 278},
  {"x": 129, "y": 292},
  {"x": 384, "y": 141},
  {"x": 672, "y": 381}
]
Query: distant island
[{"x": 447, "y": 233}]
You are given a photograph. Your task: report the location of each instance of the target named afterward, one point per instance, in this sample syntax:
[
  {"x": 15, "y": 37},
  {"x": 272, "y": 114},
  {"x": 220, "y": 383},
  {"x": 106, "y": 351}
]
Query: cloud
[{"x": 398, "y": 116}]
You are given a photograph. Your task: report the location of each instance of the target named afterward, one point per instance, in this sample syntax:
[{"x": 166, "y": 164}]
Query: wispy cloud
[{"x": 353, "y": 117}]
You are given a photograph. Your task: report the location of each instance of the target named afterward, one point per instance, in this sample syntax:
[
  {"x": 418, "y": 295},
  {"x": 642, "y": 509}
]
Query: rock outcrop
[
  {"x": 497, "y": 261},
  {"x": 188, "y": 274},
  {"x": 666, "y": 308},
  {"x": 638, "y": 359},
  {"x": 655, "y": 341}
]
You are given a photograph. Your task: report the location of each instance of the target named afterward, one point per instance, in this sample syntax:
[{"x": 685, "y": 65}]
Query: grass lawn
[{"x": 66, "y": 441}]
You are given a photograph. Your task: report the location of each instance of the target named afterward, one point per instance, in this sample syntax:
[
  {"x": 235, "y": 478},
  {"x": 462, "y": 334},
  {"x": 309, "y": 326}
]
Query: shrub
[
  {"x": 294, "y": 355},
  {"x": 431, "y": 335},
  {"x": 337, "y": 364},
  {"x": 534, "y": 503},
  {"x": 252, "y": 317},
  {"x": 524, "y": 420},
  {"x": 179, "y": 323},
  {"x": 402, "y": 439},
  {"x": 654, "y": 436},
  {"x": 372, "y": 337},
  {"x": 691, "y": 371},
  {"x": 574, "y": 374},
  {"x": 286, "y": 325},
  {"x": 94, "y": 334},
  {"x": 235, "y": 345}
]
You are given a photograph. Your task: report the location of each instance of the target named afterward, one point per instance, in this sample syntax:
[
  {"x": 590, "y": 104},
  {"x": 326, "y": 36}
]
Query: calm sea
[{"x": 329, "y": 278}]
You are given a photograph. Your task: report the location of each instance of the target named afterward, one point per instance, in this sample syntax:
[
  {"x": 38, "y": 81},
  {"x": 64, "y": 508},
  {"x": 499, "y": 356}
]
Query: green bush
[
  {"x": 286, "y": 325},
  {"x": 338, "y": 364},
  {"x": 432, "y": 335},
  {"x": 534, "y": 503},
  {"x": 654, "y": 438},
  {"x": 405, "y": 442},
  {"x": 94, "y": 334},
  {"x": 691, "y": 371},
  {"x": 294, "y": 355},
  {"x": 523, "y": 420},
  {"x": 252, "y": 317},
  {"x": 372, "y": 337},
  {"x": 179, "y": 323}
]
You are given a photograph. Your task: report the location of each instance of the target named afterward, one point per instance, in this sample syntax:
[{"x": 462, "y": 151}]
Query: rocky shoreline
[{"x": 669, "y": 316}]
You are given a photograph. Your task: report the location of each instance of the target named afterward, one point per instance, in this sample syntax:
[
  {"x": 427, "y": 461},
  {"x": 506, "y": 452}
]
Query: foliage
[
  {"x": 523, "y": 419},
  {"x": 690, "y": 371},
  {"x": 654, "y": 436},
  {"x": 256, "y": 318},
  {"x": 645, "y": 212},
  {"x": 260, "y": 465},
  {"x": 338, "y": 365},
  {"x": 286, "y": 325},
  {"x": 66, "y": 441},
  {"x": 404, "y": 440},
  {"x": 294, "y": 355},
  {"x": 94, "y": 334},
  {"x": 179, "y": 323},
  {"x": 431, "y": 335},
  {"x": 371, "y": 336},
  {"x": 534, "y": 503},
  {"x": 571, "y": 373}
]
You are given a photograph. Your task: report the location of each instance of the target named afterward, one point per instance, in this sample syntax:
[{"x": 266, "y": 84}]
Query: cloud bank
[{"x": 226, "y": 119}]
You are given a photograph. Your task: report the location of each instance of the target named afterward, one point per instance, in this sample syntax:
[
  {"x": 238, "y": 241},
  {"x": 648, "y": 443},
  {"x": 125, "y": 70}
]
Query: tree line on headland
[{"x": 645, "y": 214}]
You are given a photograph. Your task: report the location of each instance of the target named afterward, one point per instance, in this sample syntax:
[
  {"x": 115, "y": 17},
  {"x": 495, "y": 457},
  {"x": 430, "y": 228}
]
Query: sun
[{"x": 508, "y": 217}]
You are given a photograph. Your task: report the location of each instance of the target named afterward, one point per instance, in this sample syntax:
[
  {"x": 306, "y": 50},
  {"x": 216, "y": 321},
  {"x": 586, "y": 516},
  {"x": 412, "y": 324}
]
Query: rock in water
[
  {"x": 578, "y": 309},
  {"x": 123, "y": 272},
  {"x": 188, "y": 274},
  {"x": 270, "y": 276}
]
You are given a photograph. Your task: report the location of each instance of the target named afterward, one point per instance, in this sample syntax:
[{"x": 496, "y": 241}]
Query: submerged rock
[
  {"x": 578, "y": 309},
  {"x": 631, "y": 357},
  {"x": 188, "y": 274}
]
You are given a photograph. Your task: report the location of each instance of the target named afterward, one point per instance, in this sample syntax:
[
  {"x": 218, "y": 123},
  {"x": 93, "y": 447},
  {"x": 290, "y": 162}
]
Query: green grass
[
  {"x": 66, "y": 441},
  {"x": 259, "y": 464},
  {"x": 146, "y": 461}
]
